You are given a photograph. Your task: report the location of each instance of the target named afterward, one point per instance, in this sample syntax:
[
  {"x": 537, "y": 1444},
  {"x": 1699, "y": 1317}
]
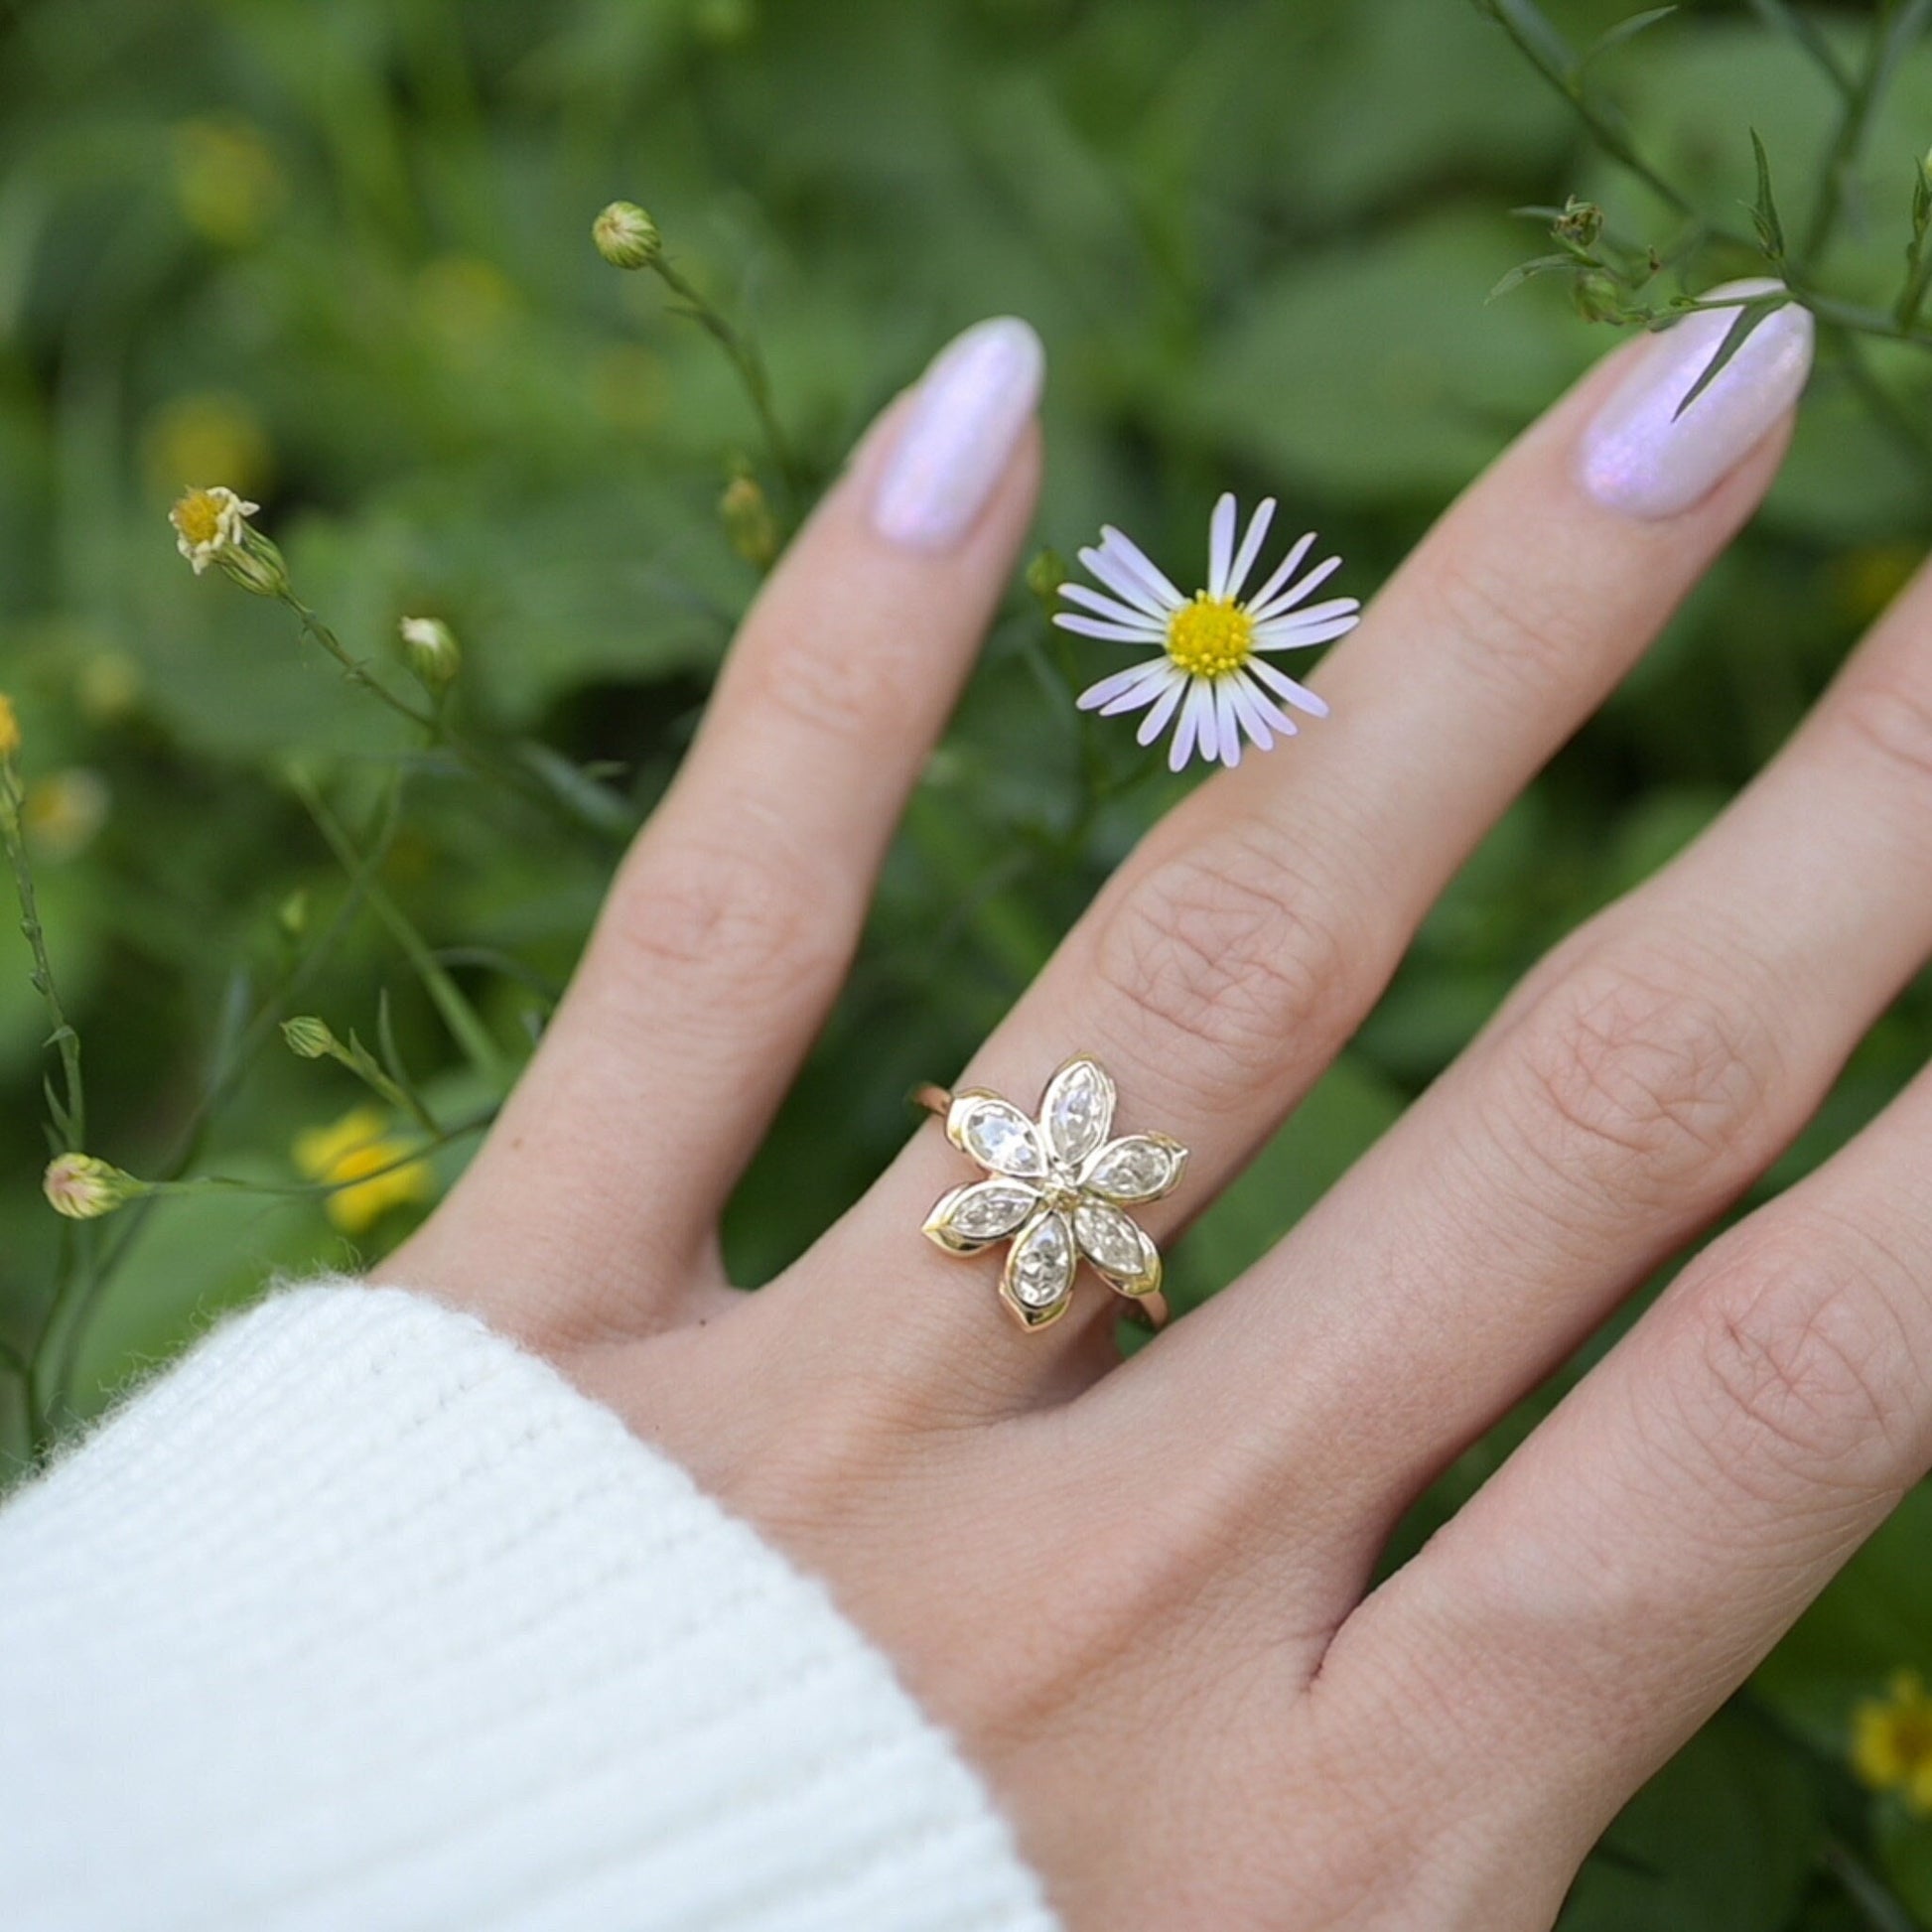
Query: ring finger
[{"x": 1222, "y": 967}]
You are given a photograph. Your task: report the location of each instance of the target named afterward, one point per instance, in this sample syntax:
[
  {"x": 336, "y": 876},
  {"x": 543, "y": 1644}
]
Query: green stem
[
  {"x": 1609, "y": 137},
  {"x": 459, "y": 1015},
  {"x": 1889, "y": 33},
  {"x": 1901, "y": 425},
  {"x": 74, "y": 1106},
  {"x": 436, "y": 725},
  {"x": 744, "y": 357}
]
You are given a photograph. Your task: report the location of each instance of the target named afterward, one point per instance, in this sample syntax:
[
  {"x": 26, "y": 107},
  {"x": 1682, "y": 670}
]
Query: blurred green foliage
[{"x": 335, "y": 253}]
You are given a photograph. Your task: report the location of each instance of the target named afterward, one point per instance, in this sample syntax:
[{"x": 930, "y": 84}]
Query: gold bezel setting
[{"x": 1056, "y": 1187}]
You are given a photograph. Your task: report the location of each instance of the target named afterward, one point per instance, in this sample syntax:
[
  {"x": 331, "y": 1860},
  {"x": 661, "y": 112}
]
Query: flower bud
[
  {"x": 431, "y": 649},
  {"x": 84, "y": 1188},
  {"x": 626, "y": 237},
  {"x": 1045, "y": 576},
  {"x": 308, "y": 1039},
  {"x": 749, "y": 527},
  {"x": 292, "y": 915},
  {"x": 1599, "y": 298},
  {"x": 9, "y": 729}
]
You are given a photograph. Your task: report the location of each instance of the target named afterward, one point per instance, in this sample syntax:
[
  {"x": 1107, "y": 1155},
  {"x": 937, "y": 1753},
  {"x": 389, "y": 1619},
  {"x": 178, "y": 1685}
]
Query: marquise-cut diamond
[
  {"x": 1042, "y": 1262},
  {"x": 991, "y": 1209},
  {"x": 1079, "y": 1110},
  {"x": 1109, "y": 1239},
  {"x": 1001, "y": 1137},
  {"x": 1135, "y": 1170}
]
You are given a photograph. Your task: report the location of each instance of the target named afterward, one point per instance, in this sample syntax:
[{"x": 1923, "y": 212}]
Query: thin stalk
[
  {"x": 1899, "y": 424},
  {"x": 1609, "y": 137},
  {"x": 74, "y": 1106},
  {"x": 1892, "y": 30},
  {"x": 459, "y": 1014},
  {"x": 749, "y": 364}
]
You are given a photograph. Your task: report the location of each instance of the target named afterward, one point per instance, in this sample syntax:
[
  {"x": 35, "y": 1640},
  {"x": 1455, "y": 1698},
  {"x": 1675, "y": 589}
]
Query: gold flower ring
[{"x": 1057, "y": 1187}]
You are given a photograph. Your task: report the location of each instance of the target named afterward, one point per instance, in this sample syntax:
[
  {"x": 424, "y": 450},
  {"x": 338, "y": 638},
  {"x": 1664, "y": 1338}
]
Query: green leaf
[
  {"x": 1721, "y": 1840},
  {"x": 1742, "y": 325},
  {"x": 1764, "y": 212},
  {"x": 1523, "y": 271}
]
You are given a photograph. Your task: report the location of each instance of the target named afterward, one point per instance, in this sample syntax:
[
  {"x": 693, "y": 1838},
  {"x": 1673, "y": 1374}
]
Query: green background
[{"x": 337, "y": 255}]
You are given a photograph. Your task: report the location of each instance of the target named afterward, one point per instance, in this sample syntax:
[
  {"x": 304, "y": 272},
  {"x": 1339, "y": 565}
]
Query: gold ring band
[{"x": 1056, "y": 1187}]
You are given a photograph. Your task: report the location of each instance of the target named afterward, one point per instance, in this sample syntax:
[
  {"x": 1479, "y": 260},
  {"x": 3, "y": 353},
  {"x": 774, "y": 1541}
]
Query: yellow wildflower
[
  {"x": 63, "y": 812},
  {"x": 9, "y": 728},
  {"x": 358, "y": 1148},
  {"x": 227, "y": 180},
  {"x": 1891, "y": 1742}
]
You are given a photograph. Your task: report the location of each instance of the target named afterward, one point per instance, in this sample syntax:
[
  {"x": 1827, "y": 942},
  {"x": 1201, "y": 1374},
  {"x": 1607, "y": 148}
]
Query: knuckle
[
  {"x": 1526, "y": 633},
  {"x": 1892, "y": 717},
  {"x": 748, "y": 919},
  {"x": 1230, "y": 950},
  {"x": 1801, "y": 1366},
  {"x": 1643, "y": 1078},
  {"x": 840, "y": 686}
]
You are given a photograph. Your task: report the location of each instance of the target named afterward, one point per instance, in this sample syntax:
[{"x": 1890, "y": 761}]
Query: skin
[{"x": 1140, "y": 1594}]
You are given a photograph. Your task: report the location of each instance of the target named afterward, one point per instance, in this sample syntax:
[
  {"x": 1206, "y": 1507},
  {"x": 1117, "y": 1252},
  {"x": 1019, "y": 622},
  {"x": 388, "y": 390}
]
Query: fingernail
[
  {"x": 958, "y": 434},
  {"x": 1640, "y": 456}
]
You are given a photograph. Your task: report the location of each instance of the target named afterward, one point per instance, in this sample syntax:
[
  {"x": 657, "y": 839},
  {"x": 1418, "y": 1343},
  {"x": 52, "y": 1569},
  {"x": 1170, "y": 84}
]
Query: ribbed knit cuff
[{"x": 361, "y": 1617}]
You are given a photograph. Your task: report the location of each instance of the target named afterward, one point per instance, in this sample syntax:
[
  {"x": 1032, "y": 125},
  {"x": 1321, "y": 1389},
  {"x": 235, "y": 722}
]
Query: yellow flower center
[
  {"x": 198, "y": 516},
  {"x": 1210, "y": 636}
]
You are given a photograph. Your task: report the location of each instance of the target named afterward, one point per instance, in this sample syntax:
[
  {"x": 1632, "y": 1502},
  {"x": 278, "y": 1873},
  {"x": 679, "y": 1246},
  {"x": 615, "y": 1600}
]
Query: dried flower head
[
  {"x": 212, "y": 527},
  {"x": 626, "y": 237}
]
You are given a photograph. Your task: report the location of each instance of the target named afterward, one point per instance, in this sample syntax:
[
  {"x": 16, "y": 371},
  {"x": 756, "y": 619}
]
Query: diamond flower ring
[{"x": 1057, "y": 1188}]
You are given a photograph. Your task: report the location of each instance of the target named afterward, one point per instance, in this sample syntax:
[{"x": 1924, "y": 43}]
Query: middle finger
[{"x": 1222, "y": 967}]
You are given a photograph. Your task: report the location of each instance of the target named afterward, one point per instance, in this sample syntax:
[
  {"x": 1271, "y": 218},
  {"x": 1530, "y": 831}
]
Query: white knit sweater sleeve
[{"x": 361, "y": 1618}]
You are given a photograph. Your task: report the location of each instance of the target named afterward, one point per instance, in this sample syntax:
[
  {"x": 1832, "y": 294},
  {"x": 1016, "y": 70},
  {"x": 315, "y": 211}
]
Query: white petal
[
  {"x": 1118, "y": 633},
  {"x": 1244, "y": 558},
  {"x": 1283, "y": 625},
  {"x": 1220, "y": 545},
  {"x": 1156, "y": 721},
  {"x": 1282, "y": 571},
  {"x": 1252, "y": 710},
  {"x": 1112, "y": 570},
  {"x": 1227, "y": 729},
  {"x": 1125, "y": 684},
  {"x": 1301, "y": 637},
  {"x": 1135, "y": 560},
  {"x": 1107, "y": 606},
  {"x": 1260, "y": 610},
  {"x": 1197, "y": 724},
  {"x": 1297, "y": 695}
]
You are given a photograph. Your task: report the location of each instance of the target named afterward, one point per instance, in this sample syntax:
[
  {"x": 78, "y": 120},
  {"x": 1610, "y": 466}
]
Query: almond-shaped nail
[
  {"x": 958, "y": 434},
  {"x": 1640, "y": 456}
]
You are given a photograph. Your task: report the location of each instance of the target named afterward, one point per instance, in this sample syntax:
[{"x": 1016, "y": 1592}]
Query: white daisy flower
[{"x": 1213, "y": 670}]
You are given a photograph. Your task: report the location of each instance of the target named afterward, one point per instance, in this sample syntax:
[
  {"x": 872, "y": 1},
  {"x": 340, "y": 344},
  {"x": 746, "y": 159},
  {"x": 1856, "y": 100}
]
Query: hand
[{"x": 1139, "y": 1594}]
